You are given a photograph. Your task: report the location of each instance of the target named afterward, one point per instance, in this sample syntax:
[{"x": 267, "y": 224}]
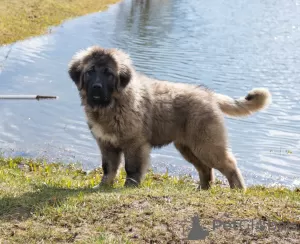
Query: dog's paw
[
  {"x": 96, "y": 187},
  {"x": 131, "y": 183}
]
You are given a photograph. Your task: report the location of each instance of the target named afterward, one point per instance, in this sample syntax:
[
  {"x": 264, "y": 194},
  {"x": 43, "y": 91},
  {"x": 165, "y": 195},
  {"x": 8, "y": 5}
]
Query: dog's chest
[{"x": 98, "y": 132}]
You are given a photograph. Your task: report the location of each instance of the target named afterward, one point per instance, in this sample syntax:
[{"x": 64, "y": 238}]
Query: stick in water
[{"x": 37, "y": 97}]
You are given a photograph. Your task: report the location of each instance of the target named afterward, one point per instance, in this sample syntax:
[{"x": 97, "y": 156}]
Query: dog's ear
[
  {"x": 75, "y": 69},
  {"x": 124, "y": 63},
  {"x": 76, "y": 65},
  {"x": 124, "y": 76}
]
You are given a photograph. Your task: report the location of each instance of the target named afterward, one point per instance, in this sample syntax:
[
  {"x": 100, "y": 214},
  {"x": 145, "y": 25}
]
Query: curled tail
[{"x": 257, "y": 99}]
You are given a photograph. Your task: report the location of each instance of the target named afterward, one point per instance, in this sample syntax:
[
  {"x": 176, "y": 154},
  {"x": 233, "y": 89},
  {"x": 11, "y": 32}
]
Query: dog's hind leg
[
  {"x": 232, "y": 172},
  {"x": 219, "y": 158},
  {"x": 206, "y": 173}
]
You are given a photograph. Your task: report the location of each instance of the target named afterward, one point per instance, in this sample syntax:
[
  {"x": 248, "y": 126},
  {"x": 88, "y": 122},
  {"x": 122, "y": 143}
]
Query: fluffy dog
[{"x": 130, "y": 113}]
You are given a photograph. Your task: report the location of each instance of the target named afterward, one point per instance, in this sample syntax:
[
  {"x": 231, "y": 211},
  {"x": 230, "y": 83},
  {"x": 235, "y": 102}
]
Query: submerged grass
[
  {"x": 20, "y": 19},
  {"x": 50, "y": 203}
]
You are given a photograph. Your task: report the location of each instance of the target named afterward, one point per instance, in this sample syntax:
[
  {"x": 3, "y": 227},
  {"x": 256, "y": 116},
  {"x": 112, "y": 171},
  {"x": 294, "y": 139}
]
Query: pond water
[{"x": 229, "y": 46}]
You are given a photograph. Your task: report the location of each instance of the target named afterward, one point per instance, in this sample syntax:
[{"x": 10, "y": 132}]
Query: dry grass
[
  {"x": 52, "y": 203},
  {"x": 20, "y": 19}
]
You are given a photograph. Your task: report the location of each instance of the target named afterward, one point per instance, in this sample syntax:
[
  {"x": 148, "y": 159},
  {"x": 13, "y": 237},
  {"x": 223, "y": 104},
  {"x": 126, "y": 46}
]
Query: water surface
[{"x": 229, "y": 46}]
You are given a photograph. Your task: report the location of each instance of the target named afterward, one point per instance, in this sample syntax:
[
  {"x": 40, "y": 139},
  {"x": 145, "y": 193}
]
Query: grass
[
  {"x": 20, "y": 19},
  {"x": 54, "y": 203}
]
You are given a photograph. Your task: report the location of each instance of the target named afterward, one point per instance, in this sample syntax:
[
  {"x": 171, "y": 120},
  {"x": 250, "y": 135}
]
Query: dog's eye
[
  {"x": 91, "y": 70},
  {"x": 106, "y": 71}
]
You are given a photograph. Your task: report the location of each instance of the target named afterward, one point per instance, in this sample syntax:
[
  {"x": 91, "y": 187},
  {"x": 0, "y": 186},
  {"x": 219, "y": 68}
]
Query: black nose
[{"x": 97, "y": 86}]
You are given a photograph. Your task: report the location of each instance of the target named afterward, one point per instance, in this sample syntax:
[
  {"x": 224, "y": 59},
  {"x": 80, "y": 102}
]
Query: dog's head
[{"x": 100, "y": 74}]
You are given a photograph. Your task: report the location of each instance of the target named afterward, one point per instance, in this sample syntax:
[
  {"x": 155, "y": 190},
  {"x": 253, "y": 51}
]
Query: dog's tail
[{"x": 257, "y": 99}]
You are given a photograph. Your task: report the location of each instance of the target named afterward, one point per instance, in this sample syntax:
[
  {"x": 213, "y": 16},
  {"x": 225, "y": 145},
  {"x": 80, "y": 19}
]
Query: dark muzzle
[
  {"x": 97, "y": 92},
  {"x": 99, "y": 95}
]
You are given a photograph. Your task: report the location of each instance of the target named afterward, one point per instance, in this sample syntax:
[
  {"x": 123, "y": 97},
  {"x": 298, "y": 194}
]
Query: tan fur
[
  {"x": 147, "y": 112},
  {"x": 258, "y": 98},
  {"x": 98, "y": 131}
]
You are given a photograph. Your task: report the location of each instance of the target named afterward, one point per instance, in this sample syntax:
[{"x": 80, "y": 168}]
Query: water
[{"x": 229, "y": 46}]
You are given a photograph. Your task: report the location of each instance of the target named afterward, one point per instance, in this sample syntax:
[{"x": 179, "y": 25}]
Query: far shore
[{"x": 21, "y": 19}]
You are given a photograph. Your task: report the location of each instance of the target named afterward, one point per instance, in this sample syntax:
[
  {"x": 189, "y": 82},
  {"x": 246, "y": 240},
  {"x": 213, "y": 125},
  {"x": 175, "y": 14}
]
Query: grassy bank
[
  {"x": 47, "y": 203},
  {"x": 20, "y": 19}
]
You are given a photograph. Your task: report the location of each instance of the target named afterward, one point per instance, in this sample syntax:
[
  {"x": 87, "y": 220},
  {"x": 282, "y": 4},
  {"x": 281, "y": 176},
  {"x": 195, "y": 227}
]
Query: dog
[{"x": 129, "y": 113}]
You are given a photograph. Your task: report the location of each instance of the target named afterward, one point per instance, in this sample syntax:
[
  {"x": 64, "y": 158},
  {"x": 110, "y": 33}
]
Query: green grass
[
  {"x": 20, "y": 19},
  {"x": 54, "y": 203}
]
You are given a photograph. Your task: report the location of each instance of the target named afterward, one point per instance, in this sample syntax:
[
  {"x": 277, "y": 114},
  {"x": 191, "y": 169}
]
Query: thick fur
[{"x": 145, "y": 112}]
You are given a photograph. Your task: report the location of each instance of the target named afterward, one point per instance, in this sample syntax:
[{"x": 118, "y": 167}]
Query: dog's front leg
[
  {"x": 136, "y": 164},
  {"x": 111, "y": 160}
]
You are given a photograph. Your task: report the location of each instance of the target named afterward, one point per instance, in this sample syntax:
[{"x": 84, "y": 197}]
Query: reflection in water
[
  {"x": 148, "y": 21},
  {"x": 229, "y": 46}
]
